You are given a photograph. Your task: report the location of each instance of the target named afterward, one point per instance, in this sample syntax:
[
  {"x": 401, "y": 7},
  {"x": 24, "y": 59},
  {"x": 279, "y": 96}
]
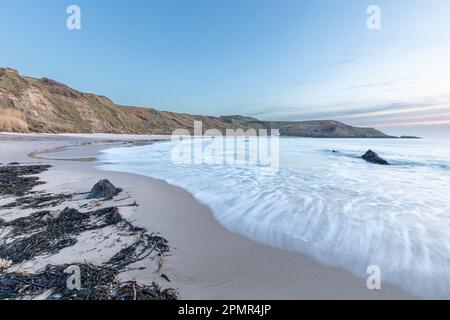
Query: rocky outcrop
[
  {"x": 373, "y": 157},
  {"x": 103, "y": 190}
]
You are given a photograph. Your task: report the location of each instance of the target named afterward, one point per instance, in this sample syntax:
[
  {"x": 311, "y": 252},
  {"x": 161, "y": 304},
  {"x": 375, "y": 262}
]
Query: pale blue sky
[{"x": 273, "y": 59}]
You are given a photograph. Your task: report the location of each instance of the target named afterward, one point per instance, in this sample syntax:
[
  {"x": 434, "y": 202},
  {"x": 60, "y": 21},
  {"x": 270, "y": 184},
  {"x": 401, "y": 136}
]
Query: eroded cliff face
[{"x": 48, "y": 106}]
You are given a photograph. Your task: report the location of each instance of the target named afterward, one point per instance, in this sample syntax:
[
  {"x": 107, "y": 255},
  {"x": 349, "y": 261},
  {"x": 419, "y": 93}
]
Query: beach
[{"x": 206, "y": 261}]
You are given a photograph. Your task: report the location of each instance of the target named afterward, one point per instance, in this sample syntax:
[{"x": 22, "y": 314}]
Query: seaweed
[
  {"x": 50, "y": 235},
  {"x": 98, "y": 283},
  {"x": 18, "y": 180},
  {"x": 47, "y": 232},
  {"x": 42, "y": 200}
]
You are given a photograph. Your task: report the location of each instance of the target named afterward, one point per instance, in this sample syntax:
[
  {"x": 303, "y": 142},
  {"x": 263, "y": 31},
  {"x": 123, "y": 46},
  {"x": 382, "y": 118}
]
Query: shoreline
[{"x": 207, "y": 261}]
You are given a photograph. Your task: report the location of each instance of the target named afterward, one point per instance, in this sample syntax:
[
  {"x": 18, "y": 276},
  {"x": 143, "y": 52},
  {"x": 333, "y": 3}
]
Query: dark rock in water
[
  {"x": 103, "y": 189},
  {"x": 373, "y": 157}
]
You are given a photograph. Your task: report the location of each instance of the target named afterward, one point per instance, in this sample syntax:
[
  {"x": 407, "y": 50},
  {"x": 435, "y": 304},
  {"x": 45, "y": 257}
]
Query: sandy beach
[{"x": 206, "y": 260}]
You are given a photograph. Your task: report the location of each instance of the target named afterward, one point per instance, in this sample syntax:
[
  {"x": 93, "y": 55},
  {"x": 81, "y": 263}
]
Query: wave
[{"x": 332, "y": 206}]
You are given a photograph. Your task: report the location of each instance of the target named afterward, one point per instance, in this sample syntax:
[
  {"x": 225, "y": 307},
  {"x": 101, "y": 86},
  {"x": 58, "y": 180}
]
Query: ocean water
[{"x": 332, "y": 206}]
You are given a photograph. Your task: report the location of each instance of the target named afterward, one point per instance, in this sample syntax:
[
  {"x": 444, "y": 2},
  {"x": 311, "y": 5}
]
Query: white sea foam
[{"x": 334, "y": 207}]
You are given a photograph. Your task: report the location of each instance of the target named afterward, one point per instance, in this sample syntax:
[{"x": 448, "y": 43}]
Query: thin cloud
[
  {"x": 371, "y": 85},
  {"x": 383, "y": 113},
  {"x": 410, "y": 124}
]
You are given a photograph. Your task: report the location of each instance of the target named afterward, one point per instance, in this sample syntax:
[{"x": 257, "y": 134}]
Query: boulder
[
  {"x": 103, "y": 190},
  {"x": 373, "y": 157}
]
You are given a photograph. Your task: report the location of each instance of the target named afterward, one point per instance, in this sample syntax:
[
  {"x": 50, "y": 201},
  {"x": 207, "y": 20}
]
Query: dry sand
[{"x": 207, "y": 261}]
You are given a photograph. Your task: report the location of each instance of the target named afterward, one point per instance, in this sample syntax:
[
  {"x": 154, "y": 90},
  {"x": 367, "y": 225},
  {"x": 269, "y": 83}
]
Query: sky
[{"x": 270, "y": 59}]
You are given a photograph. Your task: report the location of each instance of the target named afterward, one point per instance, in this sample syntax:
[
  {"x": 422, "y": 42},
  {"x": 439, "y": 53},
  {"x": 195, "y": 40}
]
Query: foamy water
[{"x": 334, "y": 207}]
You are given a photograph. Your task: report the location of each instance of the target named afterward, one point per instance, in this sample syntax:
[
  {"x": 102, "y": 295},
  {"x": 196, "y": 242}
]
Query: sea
[{"x": 318, "y": 197}]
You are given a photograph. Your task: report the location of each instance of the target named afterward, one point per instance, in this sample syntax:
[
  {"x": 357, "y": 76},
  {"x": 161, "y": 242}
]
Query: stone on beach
[
  {"x": 103, "y": 189},
  {"x": 373, "y": 157}
]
